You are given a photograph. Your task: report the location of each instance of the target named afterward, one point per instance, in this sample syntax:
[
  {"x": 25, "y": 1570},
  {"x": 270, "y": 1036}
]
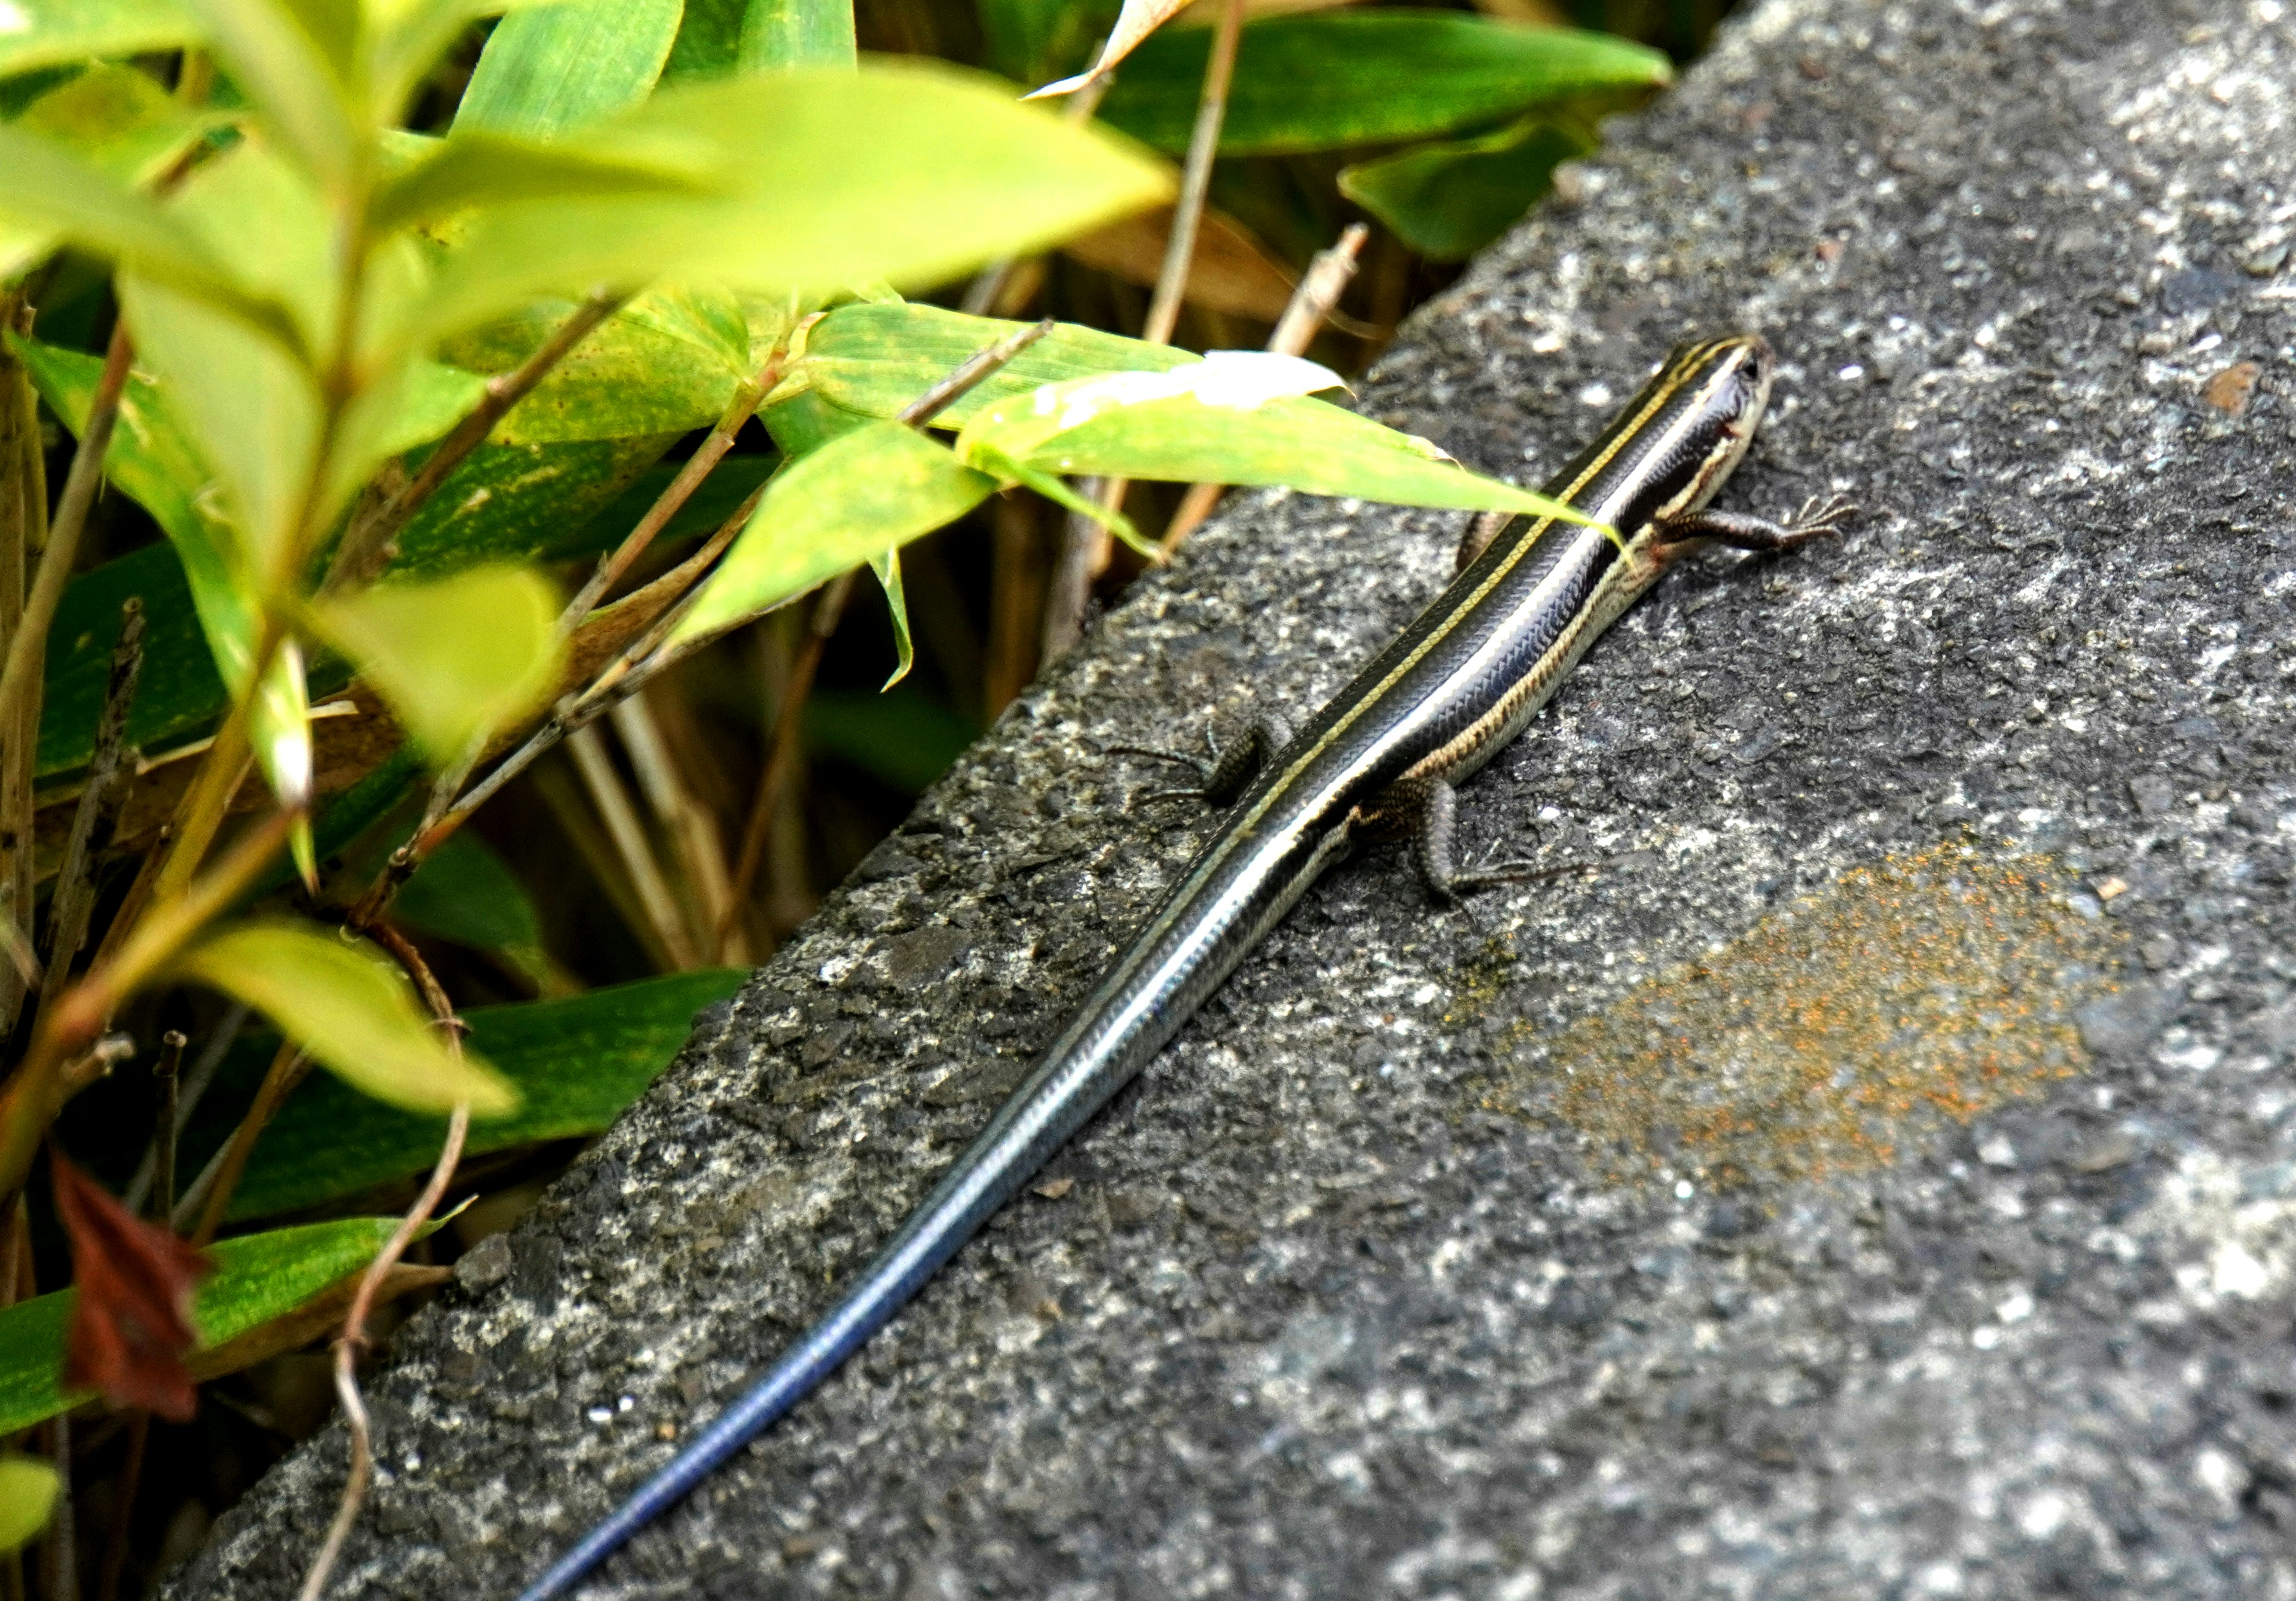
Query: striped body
[{"x": 1460, "y": 682}]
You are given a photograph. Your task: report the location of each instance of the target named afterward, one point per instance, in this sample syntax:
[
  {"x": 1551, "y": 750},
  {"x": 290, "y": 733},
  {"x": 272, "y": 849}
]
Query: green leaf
[
  {"x": 575, "y": 1065},
  {"x": 465, "y": 892},
  {"x": 258, "y": 1277},
  {"x": 806, "y": 422},
  {"x": 851, "y": 500},
  {"x": 1378, "y": 76},
  {"x": 666, "y": 363},
  {"x": 114, "y": 118},
  {"x": 354, "y": 1011},
  {"x": 295, "y": 78},
  {"x": 708, "y": 41},
  {"x": 479, "y": 168},
  {"x": 48, "y": 33},
  {"x": 560, "y": 67},
  {"x": 1031, "y": 41},
  {"x": 543, "y": 503},
  {"x": 888, "y": 569},
  {"x": 876, "y": 358},
  {"x": 906, "y": 739},
  {"x": 54, "y": 190},
  {"x": 825, "y": 188},
  {"x": 778, "y": 34},
  {"x": 1450, "y": 201},
  {"x": 27, "y": 1495},
  {"x": 455, "y": 657},
  {"x": 1236, "y": 418}
]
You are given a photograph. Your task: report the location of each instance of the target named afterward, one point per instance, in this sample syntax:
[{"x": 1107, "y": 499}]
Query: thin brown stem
[
  {"x": 191, "y": 1089},
  {"x": 365, "y": 548},
  {"x": 970, "y": 374},
  {"x": 73, "y": 903},
  {"x": 28, "y": 645},
  {"x": 80, "y": 1014},
  {"x": 781, "y": 750},
  {"x": 1317, "y": 291},
  {"x": 23, "y": 522},
  {"x": 289, "y": 1067},
  {"x": 680, "y": 491},
  {"x": 354, "y": 1338},
  {"x": 1085, "y": 550},
  {"x": 694, "y": 840},
  {"x": 612, "y": 799}
]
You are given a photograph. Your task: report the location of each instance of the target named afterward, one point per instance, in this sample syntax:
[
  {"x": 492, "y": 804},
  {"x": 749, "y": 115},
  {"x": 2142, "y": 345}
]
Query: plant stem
[
  {"x": 365, "y": 548},
  {"x": 28, "y": 645},
  {"x": 81, "y": 1013},
  {"x": 680, "y": 489},
  {"x": 781, "y": 750},
  {"x": 74, "y": 900},
  {"x": 1085, "y": 549},
  {"x": 354, "y": 1339},
  {"x": 1317, "y": 291},
  {"x": 289, "y": 1067},
  {"x": 612, "y": 802}
]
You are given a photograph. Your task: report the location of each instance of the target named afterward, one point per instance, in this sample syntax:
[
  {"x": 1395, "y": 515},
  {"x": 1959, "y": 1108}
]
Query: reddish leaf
[{"x": 133, "y": 1322}]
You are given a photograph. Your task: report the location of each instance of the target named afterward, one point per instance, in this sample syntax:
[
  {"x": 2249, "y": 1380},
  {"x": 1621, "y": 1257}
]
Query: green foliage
[
  {"x": 845, "y": 503},
  {"x": 456, "y": 657},
  {"x": 27, "y": 1496},
  {"x": 49, "y": 33},
  {"x": 1448, "y": 201},
  {"x": 574, "y": 1064},
  {"x": 352, "y": 1011},
  {"x": 1378, "y": 76},
  {"x": 258, "y": 1277},
  {"x": 114, "y": 118},
  {"x": 467, "y": 893},
  {"x": 558, "y": 67}
]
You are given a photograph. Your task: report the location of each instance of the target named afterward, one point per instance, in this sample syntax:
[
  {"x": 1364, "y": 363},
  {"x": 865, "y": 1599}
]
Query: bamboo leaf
[
  {"x": 465, "y": 892},
  {"x": 666, "y": 363},
  {"x": 1378, "y": 76},
  {"x": 27, "y": 1495},
  {"x": 481, "y": 169},
  {"x": 354, "y": 1011},
  {"x": 55, "y": 33},
  {"x": 1029, "y": 41},
  {"x": 297, "y": 79},
  {"x": 1448, "y": 201},
  {"x": 258, "y": 1277},
  {"x": 1235, "y": 417},
  {"x": 114, "y": 118},
  {"x": 824, "y": 189},
  {"x": 51, "y": 189},
  {"x": 780, "y": 34},
  {"x": 888, "y": 569},
  {"x": 455, "y": 657},
  {"x": 576, "y": 1063},
  {"x": 875, "y": 358},
  {"x": 556, "y": 67},
  {"x": 851, "y": 500}
]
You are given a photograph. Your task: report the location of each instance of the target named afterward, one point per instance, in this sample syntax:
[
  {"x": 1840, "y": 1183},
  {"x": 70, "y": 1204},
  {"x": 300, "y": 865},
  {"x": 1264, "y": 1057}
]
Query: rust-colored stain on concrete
[{"x": 1921, "y": 988}]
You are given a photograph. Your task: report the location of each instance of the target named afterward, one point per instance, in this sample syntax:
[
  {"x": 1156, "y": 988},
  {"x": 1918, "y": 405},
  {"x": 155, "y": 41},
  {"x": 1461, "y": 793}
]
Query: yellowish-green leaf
[
  {"x": 781, "y": 34},
  {"x": 555, "y": 68},
  {"x": 27, "y": 1495},
  {"x": 351, "y": 1009},
  {"x": 51, "y": 188},
  {"x": 406, "y": 41},
  {"x": 1237, "y": 417},
  {"x": 113, "y": 116},
  {"x": 826, "y": 187},
  {"x": 888, "y": 569},
  {"x": 257, "y": 1276},
  {"x": 666, "y": 363},
  {"x": 482, "y": 168},
  {"x": 52, "y": 33},
  {"x": 297, "y": 79},
  {"x": 456, "y": 658},
  {"x": 877, "y": 357},
  {"x": 849, "y": 502}
]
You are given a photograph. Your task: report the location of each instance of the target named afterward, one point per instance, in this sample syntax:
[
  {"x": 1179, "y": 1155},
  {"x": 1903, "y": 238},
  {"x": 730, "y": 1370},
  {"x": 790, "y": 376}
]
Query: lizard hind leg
[
  {"x": 1232, "y": 765},
  {"x": 1433, "y": 839}
]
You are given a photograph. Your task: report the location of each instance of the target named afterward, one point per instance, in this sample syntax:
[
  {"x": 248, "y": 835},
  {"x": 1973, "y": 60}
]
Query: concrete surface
[{"x": 1878, "y": 1180}]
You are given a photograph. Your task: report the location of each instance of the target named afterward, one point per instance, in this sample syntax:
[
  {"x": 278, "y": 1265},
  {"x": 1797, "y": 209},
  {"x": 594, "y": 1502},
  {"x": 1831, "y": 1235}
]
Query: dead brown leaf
[{"x": 131, "y": 1325}]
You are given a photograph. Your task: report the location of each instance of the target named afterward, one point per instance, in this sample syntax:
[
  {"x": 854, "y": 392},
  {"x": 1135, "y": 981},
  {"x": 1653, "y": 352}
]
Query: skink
[{"x": 1378, "y": 762}]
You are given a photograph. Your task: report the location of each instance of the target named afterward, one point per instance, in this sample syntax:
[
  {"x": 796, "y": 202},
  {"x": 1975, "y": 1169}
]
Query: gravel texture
[{"x": 1879, "y": 1179}]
